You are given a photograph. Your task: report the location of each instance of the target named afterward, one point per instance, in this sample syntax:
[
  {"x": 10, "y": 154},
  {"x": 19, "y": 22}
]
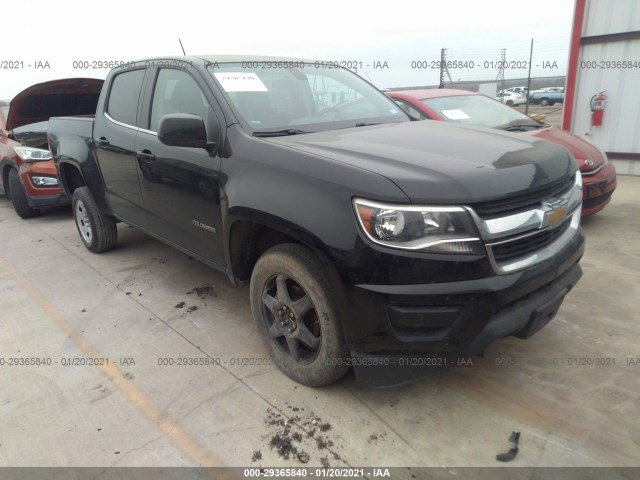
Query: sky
[{"x": 407, "y": 37}]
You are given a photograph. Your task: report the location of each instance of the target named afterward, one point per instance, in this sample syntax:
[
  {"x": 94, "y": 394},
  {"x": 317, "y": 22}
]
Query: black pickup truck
[{"x": 368, "y": 240}]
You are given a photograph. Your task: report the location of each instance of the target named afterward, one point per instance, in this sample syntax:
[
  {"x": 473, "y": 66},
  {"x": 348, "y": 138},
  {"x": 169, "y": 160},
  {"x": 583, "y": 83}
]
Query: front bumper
[
  {"x": 597, "y": 190},
  {"x": 522, "y": 319},
  {"x": 400, "y": 333},
  {"x": 42, "y": 201},
  {"x": 42, "y": 197}
]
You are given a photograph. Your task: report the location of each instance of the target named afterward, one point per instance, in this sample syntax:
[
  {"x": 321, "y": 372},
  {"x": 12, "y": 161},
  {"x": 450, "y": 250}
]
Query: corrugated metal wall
[
  {"x": 610, "y": 16},
  {"x": 620, "y": 131}
]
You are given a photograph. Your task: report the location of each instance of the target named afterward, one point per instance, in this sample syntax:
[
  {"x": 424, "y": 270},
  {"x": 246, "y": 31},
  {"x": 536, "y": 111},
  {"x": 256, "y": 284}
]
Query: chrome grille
[
  {"x": 532, "y": 228},
  {"x": 593, "y": 171},
  {"x": 524, "y": 201},
  {"x": 529, "y": 244}
]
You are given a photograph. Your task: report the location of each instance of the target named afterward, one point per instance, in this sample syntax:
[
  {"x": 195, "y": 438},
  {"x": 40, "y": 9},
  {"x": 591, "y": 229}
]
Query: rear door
[
  {"x": 114, "y": 137},
  {"x": 180, "y": 186}
]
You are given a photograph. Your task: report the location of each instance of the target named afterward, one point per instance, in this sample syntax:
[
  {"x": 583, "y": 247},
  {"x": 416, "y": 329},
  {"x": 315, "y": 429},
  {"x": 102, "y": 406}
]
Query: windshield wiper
[
  {"x": 359, "y": 124},
  {"x": 280, "y": 133},
  {"x": 523, "y": 128}
]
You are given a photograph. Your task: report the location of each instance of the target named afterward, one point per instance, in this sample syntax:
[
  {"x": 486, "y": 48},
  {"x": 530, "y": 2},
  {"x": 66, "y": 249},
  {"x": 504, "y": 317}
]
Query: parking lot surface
[{"x": 144, "y": 357}]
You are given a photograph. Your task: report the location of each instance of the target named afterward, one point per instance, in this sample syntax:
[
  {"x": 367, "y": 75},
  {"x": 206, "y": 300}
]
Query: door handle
[
  {"x": 146, "y": 156},
  {"x": 103, "y": 142}
]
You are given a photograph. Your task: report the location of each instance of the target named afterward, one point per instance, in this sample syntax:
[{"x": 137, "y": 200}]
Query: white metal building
[{"x": 605, "y": 57}]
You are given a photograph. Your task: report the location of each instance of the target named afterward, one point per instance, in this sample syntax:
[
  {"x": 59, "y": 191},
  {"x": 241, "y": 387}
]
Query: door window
[{"x": 176, "y": 92}]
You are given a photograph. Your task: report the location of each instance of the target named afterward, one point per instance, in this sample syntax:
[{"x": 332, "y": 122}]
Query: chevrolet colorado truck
[{"x": 368, "y": 241}]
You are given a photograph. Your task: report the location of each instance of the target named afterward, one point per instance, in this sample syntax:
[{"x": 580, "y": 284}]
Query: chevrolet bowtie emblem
[{"x": 555, "y": 216}]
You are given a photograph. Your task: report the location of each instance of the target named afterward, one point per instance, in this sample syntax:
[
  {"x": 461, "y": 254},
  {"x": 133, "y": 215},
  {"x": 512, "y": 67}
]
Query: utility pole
[
  {"x": 500, "y": 77},
  {"x": 443, "y": 67}
]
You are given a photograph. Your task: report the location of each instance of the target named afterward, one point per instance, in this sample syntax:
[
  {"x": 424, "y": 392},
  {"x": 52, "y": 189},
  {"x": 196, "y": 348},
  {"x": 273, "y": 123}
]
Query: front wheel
[
  {"x": 544, "y": 102},
  {"x": 19, "y": 196},
  {"x": 296, "y": 316},
  {"x": 97, "y": 231}
]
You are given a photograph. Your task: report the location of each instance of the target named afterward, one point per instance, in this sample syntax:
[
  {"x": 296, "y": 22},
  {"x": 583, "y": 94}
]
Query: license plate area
[{"x": 596, "y": 189}]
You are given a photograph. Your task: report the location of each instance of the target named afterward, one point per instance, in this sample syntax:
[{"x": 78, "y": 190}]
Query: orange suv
[{"x": 27, "y": 172}]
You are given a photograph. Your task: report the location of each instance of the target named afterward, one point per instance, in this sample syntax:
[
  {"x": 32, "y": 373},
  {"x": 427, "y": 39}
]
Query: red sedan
[{"x": 470, "y": 108}]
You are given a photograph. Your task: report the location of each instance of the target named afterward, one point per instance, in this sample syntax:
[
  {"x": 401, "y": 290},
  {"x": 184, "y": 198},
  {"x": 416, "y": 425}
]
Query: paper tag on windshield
[
  {"x": 456, "y": 114},
  {"x": 240, "y": 82}
]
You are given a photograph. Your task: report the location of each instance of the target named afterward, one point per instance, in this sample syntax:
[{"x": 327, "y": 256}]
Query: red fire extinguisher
[{"x": 598, "y": 103}]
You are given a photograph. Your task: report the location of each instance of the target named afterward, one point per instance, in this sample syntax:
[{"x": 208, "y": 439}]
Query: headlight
[
  {"x": 41, "y": 181},
  {"x": 430, "y": 229},
  {"x": 29, "y": 154}
]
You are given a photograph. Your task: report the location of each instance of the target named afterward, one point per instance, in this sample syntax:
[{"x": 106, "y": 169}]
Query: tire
[
  {"x": 544, "y": 102},
  {"x": 97, "y": 231},
  {"x": 551, "y": 104},
  {"x": 294, "y": 309},
  {"x": 510, "y": 103},
  {"x": 19, "y": 196}
]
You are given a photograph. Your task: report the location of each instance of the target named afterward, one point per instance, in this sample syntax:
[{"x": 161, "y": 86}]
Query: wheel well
[
  {"x": 247, "y": 242},
  {"x": 72, "y": 177}
]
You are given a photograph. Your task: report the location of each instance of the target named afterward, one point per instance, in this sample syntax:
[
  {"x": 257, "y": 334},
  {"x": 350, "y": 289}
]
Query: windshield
[
  {"x": 296, "y": 97},
  {"x": 478, "y": 110}
]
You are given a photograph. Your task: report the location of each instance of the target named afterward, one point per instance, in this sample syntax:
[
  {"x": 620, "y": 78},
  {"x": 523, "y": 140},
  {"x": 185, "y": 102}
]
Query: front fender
[{"x": 307, "y": 195}]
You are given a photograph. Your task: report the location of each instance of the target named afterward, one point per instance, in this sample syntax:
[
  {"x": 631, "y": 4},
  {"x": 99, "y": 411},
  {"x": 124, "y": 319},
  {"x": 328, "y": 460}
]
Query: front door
[{"x": 180, "y": 186}]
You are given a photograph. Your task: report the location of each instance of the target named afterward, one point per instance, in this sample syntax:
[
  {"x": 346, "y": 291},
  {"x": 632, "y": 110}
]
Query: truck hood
[
  {"x": 436, "y": 162},
  {"x": 58, "y": 98}
]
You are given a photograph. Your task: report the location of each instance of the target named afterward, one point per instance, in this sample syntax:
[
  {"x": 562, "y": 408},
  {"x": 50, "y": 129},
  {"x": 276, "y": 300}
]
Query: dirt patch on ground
[
  {"x": 290, "y": 436},
  {"x": 206, "y": 290}
]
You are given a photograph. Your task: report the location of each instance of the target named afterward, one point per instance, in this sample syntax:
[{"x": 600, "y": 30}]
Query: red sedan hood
[
  {"x": 579, "y": 148},
  {"x": 58, "y": 98}
]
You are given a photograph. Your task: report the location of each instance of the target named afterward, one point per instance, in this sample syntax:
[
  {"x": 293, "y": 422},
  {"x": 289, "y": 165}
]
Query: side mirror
[{"x": 184, "y": 130}]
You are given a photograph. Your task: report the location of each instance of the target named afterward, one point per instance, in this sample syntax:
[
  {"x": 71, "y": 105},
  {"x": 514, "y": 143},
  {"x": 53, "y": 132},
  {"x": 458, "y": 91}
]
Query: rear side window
[{"x": 123, "y": 98}]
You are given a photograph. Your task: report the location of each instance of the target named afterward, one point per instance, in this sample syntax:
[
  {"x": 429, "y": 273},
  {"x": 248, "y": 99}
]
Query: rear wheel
[
  {"x": 296, "y": 316},
  {"x": 510, "y": 103},
  {"x": 97, "y": 231},
  {"x": 19, "y": 196}
]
